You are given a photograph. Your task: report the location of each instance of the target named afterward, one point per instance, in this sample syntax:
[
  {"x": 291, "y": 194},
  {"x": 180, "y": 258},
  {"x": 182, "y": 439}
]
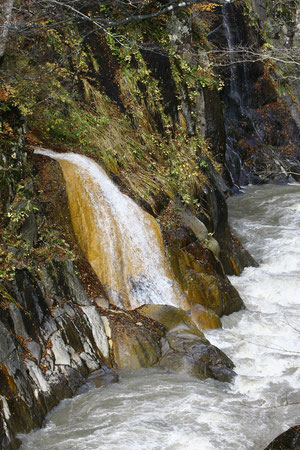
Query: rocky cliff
[{"x": 176, "y": 124}]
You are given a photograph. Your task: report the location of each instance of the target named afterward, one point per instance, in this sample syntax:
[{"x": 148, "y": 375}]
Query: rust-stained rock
[{"x": 203, "y": 279}]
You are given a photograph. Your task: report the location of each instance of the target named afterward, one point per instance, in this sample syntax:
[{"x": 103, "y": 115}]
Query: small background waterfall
[
  {"x": 122, "y": 242},
  {"x": 258, "y": 128},
  {"x": 151, "y": 409},
  {"x": 238, "y": 95}
]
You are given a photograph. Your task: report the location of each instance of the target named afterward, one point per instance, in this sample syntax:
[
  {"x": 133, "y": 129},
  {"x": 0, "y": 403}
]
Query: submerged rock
[
  {"x": 289, "y": 440},
  {"x": 103, "y": 377},
  {"x": 195, "y": 356}
]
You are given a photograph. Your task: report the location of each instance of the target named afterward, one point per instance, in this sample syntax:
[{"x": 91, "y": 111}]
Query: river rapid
[{"x": 152, "y": 409}]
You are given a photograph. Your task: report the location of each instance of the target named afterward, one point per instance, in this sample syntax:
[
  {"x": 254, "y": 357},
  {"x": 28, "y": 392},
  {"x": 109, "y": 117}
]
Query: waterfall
[
  {"x": 238, "y": 96},
  {"x": 122, "y": 242},
  {"x": 234, "y": 91},
  {"x": 239, "y": 85}
]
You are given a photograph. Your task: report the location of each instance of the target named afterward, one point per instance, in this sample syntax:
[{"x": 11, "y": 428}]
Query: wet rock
[
  {"x": 232, "y": 255},
  {"x": 102, "y": 302},
  {"x": 289, "y": 440},
  {"x": 135, "y": 340},
  {"x": 255, "y": 117},
  {"x": 20, "y": 330},
  {"x": 45, "y": 352},
  {"x": 103, "y": 377},
  {"x": 169, "y": 316},
  {"x": 29, "y": 296},
  {"x": 205, "y": 318},
  {"x": 195, "y": 356},
  {"x": 98, "y": 329},
  {"x": 21, "y": 411},
  {"x": 202, "y": 277},
  {"x": 185, "y": 348},
  {"x": 70, "y": 283}
]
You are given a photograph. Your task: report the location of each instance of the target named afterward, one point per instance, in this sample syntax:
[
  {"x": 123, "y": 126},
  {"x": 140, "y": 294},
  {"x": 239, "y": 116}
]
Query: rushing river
[{"x": 152, "y": 409}]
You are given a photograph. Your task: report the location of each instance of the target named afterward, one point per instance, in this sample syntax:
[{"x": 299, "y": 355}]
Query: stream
[{"x": 153, "y": 409}]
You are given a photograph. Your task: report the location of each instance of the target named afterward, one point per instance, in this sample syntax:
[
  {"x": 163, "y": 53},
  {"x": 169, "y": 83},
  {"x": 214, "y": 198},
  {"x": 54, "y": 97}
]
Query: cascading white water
[
  {"x": 151, "y": 409},
  {"x": 122, "y": 242},
  {"x": 233, "y": 161},
  {"x": 233, "y": 52}
]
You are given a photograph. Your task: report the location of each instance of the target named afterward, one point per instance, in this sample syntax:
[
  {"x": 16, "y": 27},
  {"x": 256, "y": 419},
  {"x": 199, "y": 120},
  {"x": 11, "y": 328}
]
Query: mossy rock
[
  {"x": 171, "y": 317},
  {"x": 200, "y": 276},
  {"x": 185, "y": 348},
  {"x": 205, "y": 318}
]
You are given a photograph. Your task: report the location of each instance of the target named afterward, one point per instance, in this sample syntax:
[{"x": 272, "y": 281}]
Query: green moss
[{"x": 153, "y": 155}]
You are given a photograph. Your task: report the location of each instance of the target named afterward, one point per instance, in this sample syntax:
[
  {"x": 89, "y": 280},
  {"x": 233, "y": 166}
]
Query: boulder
[
  {"x": 194, "y": 356},
  {"x": 205, "y": 318},
  {"x": 201, "y": 276},
  {"x": 135, "y": 340},
  {"x": 170, "y": 317},
  {"x": 185, "y": 348}
]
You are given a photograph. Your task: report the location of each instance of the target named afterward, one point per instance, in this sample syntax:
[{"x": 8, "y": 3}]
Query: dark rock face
[
  {"x": 45, "y": 351},
  {"x": 214, "y": 121},
  {"x": 103, "y": 76},
  {"x": 289, "y": 440},
  {"x": 262, "y": 136},
  {"x": 159, "y": 64},
  {"x": 65, "y": 280},
  {"x": 12, "y": 158},
  {"x": 233, "y": 256}
]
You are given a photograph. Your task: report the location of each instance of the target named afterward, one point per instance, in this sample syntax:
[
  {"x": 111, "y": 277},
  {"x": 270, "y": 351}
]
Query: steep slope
[{"x": 150, "y": 104}]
